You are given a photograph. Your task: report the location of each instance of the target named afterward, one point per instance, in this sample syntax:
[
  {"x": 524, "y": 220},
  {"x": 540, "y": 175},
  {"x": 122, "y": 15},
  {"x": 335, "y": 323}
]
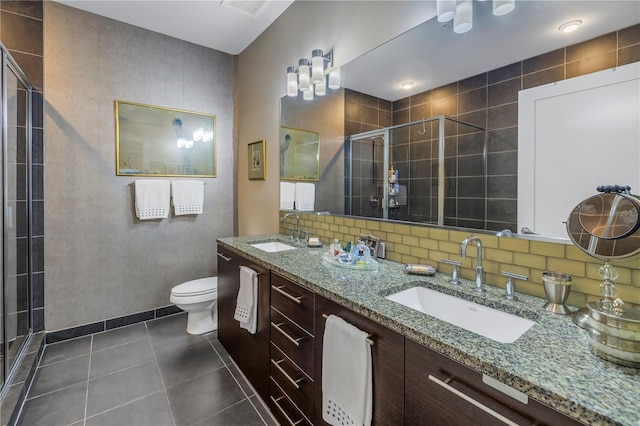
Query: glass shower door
[{"x": 16, "y": 241}]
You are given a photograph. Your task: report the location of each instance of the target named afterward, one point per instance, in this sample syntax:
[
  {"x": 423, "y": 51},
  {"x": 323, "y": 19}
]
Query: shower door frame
[{"x": 8, "y": 64}]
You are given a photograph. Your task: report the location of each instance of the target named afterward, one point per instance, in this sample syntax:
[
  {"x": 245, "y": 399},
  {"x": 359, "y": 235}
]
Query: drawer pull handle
[
  {"x": 471, "y": 400},
  {"x": 285, "y": 334},
  {"x": 280, "y": 290},
  {"x": 228, "y": 259},
  {"x": 284, "y": 373},
  {"x": 284, "y": 413}
]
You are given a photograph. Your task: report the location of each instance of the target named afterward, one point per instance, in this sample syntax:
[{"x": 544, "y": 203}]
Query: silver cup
[{"x": 557, "y": 287}]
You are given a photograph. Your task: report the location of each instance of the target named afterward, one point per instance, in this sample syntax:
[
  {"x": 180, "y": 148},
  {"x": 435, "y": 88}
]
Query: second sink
[
  {"x": 488, "y": 322},
  {"x": 272, "y": 246}
]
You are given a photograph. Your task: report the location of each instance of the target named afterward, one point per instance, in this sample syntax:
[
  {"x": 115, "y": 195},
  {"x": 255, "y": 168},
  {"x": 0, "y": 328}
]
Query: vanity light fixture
[
  {"x": 502, "y": 7},
  {"x": 446, "y": 10},
  {"x": 570, "y": 26},
  {"x": 311, "y": 76},
  {"x": 462, "y": 12},
  {"x": 463, "y": 21}
]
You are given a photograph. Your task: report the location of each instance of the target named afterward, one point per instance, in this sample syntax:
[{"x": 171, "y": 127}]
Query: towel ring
[{"x": 369, "y": 341}]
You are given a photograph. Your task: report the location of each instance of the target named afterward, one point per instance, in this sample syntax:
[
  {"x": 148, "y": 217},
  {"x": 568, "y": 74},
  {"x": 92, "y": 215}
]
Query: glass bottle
[{"x": 335, "y": 248}]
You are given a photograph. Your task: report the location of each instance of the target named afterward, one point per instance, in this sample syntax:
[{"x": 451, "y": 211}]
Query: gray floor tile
[
  {"x": 118, "y": 388},
  {"x": 226, "y": 358},
  {"x": 169, "y": 334},
  {"x": 120, "y": 357},
  {"x": 182, "y": 365},
  {"x": 57, "y": 408},
  {"x": 203, "y": 396},
  {"x": 65, "y": 350},
  {"x": 56, "y": 376},
  {"x": 240, "y": 414},
  {"x": 152, "y": 410},
  {"x": 264, "y": 411},
  {"x": 119, "y": 336},
  {"x": 242, "y": 382}
]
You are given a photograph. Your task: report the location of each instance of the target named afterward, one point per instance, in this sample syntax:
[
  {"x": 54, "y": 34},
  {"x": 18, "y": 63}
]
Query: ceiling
[
  {"x": 430, "y": 55},
  {"x": 225, "y": 25}
]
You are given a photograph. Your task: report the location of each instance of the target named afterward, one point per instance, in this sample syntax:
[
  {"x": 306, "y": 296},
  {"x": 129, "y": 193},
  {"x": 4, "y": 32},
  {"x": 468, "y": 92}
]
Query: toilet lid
[{"x": 196, "y": 287}]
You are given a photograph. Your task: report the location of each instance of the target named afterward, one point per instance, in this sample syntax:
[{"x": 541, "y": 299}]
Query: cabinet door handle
[
  {"x": 228, "y": 259},
  {"x": 280, "y": 290},
  {"x": 472, "y": 401},
  {"x": 285, "y": 334},
  {"x": 284, "y": 413},
  {"x": 284, "y": 373}
]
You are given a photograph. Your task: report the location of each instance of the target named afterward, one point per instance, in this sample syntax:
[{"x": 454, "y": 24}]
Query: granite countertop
[{"x": 551, "y": 362}]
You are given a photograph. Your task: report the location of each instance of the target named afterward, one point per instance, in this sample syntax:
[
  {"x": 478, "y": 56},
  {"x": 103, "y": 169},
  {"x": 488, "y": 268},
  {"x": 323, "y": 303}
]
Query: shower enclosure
[
  {"x": 16, "y": 304},
  {"x": 429, "y": 171}
]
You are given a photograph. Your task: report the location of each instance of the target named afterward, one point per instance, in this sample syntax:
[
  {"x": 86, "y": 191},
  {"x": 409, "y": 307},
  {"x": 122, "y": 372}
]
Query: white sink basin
[
  {"x": 488, "y": 322},
  {"x": 273, "y": 246}
]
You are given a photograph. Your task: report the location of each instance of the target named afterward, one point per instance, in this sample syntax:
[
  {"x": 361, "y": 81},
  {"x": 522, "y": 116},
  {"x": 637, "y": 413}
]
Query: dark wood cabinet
[
  {"x": 387, "y": 364},
  {"x": 292, "y": 351},
  {"x": 440, "y": 391},
  {"x": 249, "y": 351}
]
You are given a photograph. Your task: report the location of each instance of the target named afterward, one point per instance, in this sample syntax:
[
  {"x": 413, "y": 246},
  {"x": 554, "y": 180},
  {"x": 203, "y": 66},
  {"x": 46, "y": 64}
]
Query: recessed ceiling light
[
  {"x": 570, "y": 26},
  {"x": 407, "y": 85}
]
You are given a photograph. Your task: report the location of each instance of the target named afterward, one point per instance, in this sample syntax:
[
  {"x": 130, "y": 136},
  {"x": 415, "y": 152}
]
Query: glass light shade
[
  {"x": 307, "y": 95},
  {"x": 463, "y": 20},
  {"x": 292, "y": 82},
  {"x": 304, "y": 81},
  {"x": 317, "y": 66},
  {"x": 446, "y": 10},
  {"x": 321, "y": 88},
  {"x": 502, "y": 7},
  {"x": 334, "y": 79}
]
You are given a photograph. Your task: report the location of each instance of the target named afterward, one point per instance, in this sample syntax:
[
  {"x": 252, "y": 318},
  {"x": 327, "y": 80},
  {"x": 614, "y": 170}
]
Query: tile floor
[{"x": 151, "y": 373}]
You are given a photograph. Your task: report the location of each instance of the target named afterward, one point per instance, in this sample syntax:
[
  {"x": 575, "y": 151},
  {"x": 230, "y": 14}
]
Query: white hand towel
[
  {"x": 188, "y": 196},
  {"x": 305, "y": 196},
  {"x": 152, "y": 198},
  {"x": 247, "y": 302},
  {"x": 347, "y": 387},
  {"x": 287, "y": 195}
]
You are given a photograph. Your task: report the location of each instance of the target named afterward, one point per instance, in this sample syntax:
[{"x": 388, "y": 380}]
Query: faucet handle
[
  {"x": 510, "y": 287},
  {"x": 454, "y": 271}
]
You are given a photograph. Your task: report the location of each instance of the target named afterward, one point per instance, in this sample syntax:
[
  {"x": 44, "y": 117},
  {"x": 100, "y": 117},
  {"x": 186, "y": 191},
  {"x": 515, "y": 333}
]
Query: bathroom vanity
[{"x": 425, "y": 369}]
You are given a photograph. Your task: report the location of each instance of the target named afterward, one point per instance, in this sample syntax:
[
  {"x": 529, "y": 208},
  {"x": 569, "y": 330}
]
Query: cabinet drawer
[
  {"x": 284, "y": 410},
  {"x": 293, "y": 341},
  {"x": 293, "y": 381},
  {"x": 293, "y": 301}
]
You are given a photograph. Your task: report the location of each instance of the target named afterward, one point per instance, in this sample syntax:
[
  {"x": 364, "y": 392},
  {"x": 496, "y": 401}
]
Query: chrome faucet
[
  {"x": 297, "y": 224},
  {"x": 479, "y": 288}
]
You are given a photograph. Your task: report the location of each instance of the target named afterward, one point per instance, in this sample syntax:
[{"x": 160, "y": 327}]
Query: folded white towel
[
  {"x": 247, "y": 302},
  {"x": 188, "y": 196},
  {"x": 287, "y": 195},
  {"x": 305, "y": 196},
  {"x": 347, "y": 387},
  {"x": 152, "y": 198}
]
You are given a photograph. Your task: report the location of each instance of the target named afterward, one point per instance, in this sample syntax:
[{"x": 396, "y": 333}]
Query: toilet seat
[{"x": 199, "y": 287}]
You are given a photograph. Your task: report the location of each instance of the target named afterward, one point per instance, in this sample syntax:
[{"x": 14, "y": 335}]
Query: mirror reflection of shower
[{"x": 430, "y": 171}]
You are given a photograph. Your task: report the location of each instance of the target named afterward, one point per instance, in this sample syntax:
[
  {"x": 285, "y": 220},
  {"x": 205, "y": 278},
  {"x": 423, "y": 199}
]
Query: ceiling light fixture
[
  {"x": 461, "y": 11},
  {"x": 407, "y": 85},
  {"x": 311, "y": 76},
  {"x": 570, "y": 26}
]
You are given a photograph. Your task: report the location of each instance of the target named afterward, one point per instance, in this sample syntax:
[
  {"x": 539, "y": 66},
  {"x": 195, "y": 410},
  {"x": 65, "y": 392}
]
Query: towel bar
[
  {"x": 257, "y": 273},
  {"x": 369, "y": 341}
]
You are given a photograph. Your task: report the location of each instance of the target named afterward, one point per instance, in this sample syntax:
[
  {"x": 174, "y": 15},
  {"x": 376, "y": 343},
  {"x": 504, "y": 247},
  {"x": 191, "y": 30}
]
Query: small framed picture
[
  {"x": 257, "y": 157},
  {"x": 371, "y": 242}
]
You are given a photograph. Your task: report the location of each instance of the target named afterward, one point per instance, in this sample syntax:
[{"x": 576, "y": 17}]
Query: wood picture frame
[{"x": 257, "y": 158}]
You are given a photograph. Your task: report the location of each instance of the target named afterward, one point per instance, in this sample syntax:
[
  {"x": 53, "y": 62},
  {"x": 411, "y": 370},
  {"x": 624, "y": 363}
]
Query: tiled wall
[
  {"x": 425, "y": 245},
  {"x": 21, "y": 31}
]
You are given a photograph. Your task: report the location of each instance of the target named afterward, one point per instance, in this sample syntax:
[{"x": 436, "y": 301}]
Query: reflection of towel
[
  {"x": 305, "y": 196},
  {"x": 247, "y": 302},
  {"x": 287, "y": 195},
  {"x": 152, "y": 198},
  {"x": 402, "y": 196},
  {"x": 347, "y": 390},
  {"x": 188, "y": 196}
]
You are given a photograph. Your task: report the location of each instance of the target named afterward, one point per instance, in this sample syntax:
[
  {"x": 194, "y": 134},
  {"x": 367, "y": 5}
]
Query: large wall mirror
[
  {"x": 157, "y": 141},
  {"x": 473, "y": 78}
]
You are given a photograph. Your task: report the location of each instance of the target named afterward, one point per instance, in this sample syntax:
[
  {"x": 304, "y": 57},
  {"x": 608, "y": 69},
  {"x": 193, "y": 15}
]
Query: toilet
[{"x": 198, "y": 298}]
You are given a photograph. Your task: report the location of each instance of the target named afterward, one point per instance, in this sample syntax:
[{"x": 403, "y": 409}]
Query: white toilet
[{"x": 198, "y": 298}]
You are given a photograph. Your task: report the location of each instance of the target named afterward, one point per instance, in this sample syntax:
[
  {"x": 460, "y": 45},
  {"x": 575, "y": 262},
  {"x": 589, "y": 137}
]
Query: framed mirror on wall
[
  {"x": 299, "y": 155},
  {"x": 159, "y": 141}
]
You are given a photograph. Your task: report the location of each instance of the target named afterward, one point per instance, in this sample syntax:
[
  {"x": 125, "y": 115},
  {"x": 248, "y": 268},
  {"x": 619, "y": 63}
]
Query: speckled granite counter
[{"x": 551, "y": 362}]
